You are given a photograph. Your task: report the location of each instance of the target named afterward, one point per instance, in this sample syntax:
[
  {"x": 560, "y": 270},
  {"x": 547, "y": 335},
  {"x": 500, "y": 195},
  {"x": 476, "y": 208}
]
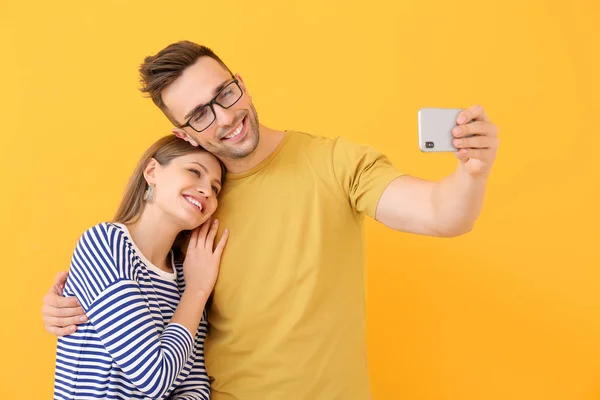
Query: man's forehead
[{"x": 196, "y": 85}]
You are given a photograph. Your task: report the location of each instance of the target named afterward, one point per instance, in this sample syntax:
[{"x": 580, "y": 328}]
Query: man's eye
[
  {"x": 227, "y": 93},
  {"x": 201, "y": 114}
]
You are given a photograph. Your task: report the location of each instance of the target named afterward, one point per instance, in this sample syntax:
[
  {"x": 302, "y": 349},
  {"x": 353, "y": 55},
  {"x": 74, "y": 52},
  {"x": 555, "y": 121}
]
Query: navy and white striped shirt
[{"x": 127, "y": 349}]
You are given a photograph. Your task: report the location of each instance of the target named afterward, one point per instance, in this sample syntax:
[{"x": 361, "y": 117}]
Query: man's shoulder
[
  {"x": 306, "y": 137},
  {"x": 310, "y": 141},
  {"x": 321, "y": 140},
  {"x": 333, "y": 149}
]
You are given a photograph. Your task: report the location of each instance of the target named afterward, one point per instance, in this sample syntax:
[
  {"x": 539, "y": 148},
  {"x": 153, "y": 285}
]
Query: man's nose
[{"x": 225, "y": 116}]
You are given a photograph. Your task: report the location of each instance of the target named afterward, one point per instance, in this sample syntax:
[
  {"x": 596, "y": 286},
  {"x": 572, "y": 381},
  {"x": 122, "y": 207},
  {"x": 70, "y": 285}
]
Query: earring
[{"x": 149, "y": 193}]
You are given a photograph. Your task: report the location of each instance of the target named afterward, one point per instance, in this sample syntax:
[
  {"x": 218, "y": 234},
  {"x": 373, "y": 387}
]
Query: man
[{"x": 287, "y": 319}]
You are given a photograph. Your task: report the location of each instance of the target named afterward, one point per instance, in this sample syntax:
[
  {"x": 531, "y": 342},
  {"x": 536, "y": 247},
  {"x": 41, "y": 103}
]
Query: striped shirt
[{"x": 127, "y": 349}]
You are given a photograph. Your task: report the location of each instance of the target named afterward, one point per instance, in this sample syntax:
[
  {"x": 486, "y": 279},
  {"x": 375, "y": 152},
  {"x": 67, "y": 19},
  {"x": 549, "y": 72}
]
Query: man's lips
[{"x": 233, "y": 133}]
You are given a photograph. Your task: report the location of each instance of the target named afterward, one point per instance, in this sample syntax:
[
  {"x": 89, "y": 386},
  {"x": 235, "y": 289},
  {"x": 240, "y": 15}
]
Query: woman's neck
[{"x": 154, "y": 237}]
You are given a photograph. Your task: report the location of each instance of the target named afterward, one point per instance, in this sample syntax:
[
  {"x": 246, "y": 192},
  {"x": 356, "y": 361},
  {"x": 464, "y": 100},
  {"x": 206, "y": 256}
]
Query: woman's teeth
[{"x": 194, "y": 202}]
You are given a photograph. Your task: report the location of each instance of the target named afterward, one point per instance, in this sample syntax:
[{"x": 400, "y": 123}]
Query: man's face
[{"x": 234, "y": 134}]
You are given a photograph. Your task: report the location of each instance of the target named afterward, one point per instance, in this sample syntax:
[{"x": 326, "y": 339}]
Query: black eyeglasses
[{"x": 205, "y": 116}]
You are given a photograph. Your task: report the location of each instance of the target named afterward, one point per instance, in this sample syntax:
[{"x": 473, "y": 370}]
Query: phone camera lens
[{"x": 429, "y": 145}]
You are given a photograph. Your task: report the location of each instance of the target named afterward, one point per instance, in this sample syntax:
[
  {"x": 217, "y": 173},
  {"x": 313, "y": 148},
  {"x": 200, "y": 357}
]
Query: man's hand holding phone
[
  {"x": 469, "y": 133},
  {"x": 476, "y": 139}
]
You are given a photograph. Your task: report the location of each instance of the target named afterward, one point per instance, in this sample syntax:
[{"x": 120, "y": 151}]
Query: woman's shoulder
[
  {"x": 99, "y": 260},
  {"x": 103, "y": 232},
  {"x": 103, "y": 249}
]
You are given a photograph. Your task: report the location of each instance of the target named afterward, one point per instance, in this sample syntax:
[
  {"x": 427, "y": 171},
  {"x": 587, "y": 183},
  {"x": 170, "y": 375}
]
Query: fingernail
[
  {"x": 458, "y": 142},
  {"x": 72, "y": 329},
  {"x": 83, "y": 319},
  {"x": 457, "y": 131},
  {"x": 462, "y": 119},
  {"x": 216, "y": 221},
  {"x": 78, "y": 303}
]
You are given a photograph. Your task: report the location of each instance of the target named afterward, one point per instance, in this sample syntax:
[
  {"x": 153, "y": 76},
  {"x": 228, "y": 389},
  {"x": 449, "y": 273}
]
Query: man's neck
[{"x": 268, "y": 141}]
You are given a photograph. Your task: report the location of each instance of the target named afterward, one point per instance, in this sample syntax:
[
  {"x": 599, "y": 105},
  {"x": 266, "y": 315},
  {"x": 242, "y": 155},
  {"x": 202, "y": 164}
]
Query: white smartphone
[{"x": 435, "y": 129}]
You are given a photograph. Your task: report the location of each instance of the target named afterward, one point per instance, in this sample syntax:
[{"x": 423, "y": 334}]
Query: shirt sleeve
[
  {"x": 363, "y": 174},
  {"x": 196, "y": 386},
  {"x": 103, "y": 281}
]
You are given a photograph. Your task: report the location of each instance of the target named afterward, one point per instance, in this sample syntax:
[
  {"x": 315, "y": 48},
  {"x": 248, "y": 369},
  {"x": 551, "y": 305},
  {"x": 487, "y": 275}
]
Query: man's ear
[
  {"x": 149, "y": 172},
  {"x": 243, "y": 85},
  {"x": 181, "y": 134}
]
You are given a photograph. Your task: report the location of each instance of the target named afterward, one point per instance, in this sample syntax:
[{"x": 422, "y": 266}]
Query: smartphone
[{"x": 435, "y": 129}]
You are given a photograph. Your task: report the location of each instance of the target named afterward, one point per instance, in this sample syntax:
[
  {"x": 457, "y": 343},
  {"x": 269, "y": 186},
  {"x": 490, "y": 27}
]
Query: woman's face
[{"x": 186, "y": 189}]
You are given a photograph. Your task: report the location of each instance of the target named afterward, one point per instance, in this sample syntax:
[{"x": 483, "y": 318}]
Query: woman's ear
[{"x": 150, "y": 171}]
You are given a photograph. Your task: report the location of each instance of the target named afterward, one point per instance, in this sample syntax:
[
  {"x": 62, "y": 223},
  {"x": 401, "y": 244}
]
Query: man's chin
[{"x": 242, "y": 149}]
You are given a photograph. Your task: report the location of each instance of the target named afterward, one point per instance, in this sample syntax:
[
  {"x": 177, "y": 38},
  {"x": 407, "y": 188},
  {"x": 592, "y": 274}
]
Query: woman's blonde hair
[{"x": 132, "y": 204}]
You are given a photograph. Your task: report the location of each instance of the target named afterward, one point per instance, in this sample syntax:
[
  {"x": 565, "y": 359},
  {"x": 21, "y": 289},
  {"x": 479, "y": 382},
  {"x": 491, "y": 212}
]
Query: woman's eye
[
  {"x": 215, "y": 189},
  {"x": 195, "y": 172}
]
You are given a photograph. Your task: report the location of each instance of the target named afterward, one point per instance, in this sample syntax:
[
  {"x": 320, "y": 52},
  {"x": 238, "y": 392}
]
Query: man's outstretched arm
[{"x": 451, "y": 206}]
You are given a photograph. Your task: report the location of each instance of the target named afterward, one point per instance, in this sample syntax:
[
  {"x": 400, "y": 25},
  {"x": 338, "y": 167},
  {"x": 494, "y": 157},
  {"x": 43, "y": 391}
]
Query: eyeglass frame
[{"x": 211, "y": 104}]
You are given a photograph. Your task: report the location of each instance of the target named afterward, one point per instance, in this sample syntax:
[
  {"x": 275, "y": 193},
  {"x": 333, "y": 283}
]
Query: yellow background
[{"x": 510, "y": 311}]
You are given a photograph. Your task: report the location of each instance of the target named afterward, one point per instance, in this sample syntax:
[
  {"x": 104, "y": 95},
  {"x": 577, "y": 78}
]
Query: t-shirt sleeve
[
  {"x": 101, "y": 277},
  {"x": 363, "y": 174}
]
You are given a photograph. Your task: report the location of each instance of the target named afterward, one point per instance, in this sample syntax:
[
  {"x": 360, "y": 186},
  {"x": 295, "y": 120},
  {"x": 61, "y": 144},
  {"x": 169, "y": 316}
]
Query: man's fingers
[
  {"x": 69, "y": 312},
  {"x": 64, "y": 322},
  {"x": 54, "y": 300},
  {"x": 61, "y": 308},
  {"x": 56, "y": 331},
  {"x": 61, "y": 278},
  {"x": 475, "y": 128},
  {"x": 476, "y": 142},
  {"x": 59, "y": 282},
  {"x": 461, "y": 156},
  {"x": 484, "y": 155},
  {"x": 49, "y": 311},
  {"x": 475, "y": 112}
]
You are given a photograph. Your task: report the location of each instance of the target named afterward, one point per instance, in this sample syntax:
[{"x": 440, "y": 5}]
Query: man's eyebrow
[{"x": 199, "y": 106}]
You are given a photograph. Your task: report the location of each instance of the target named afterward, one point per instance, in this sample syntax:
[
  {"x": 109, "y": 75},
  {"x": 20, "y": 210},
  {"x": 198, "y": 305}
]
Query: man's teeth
[
  {"x": 236, "y": 132},
  {"x": 194, "y": 202}
]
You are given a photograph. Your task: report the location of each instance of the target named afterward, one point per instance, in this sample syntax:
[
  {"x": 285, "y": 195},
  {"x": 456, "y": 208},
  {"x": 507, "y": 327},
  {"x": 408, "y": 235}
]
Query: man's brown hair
[{"x": 159, "y": 71}]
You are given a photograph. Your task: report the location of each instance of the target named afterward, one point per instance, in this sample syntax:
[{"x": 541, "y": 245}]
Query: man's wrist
[{"x": 480, "y": 178}]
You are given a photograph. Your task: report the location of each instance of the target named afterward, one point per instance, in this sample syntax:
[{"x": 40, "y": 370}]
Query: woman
[{"x": 145, "y": 306}]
